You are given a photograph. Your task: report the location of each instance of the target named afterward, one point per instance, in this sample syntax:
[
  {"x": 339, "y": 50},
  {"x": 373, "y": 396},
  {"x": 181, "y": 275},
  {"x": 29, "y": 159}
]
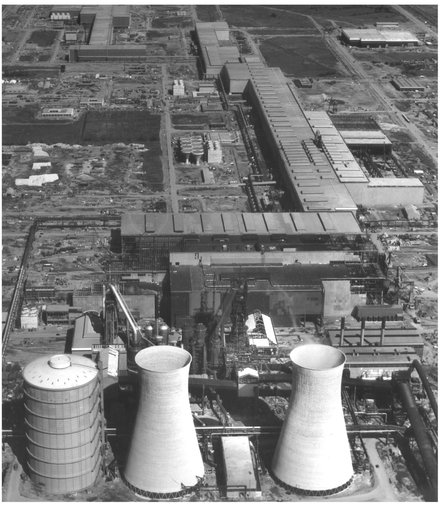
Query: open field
[
  {"x": 207, "y": 13},
  {"x": 350, "y": 15},
  {"x": 93, "y": 128},
  {"x": 426, "y": 13},
  {"x": 43, "y": 38},
  {"x": 301, "y": 56},
  {"x": 264, "y": 16},
  {"x": 172, "y": 21},
  {"x": 410, "y": 63},
  {"x": 30, "y": 72},
  {"x": 351, "y": 96}
]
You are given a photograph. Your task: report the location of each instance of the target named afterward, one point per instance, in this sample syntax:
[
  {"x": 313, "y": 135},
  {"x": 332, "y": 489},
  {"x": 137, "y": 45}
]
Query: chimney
[
  {"x": 342, "y": 332},
  {"x": 382, "y": 331},
  {"x": 362, "y": 331}
]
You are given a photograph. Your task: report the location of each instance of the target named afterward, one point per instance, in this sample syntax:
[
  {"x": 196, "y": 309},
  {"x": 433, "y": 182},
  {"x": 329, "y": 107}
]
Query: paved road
[
  {"x": 168, "y": 141},
  {"x": 420, "y": 24},
  {"x": 56, "y": 46},
  {"x": 382, "y": 490}
]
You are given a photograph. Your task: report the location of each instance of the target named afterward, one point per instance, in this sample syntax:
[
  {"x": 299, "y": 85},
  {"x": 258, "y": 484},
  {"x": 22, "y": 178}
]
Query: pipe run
[{"x": 421, "y": 436}]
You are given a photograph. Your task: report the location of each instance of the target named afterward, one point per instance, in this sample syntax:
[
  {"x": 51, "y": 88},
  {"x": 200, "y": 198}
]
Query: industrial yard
[{"x": 220, "y": 253}]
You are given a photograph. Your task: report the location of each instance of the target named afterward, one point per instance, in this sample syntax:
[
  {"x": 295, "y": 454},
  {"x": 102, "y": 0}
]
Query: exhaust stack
[
  {"x": 313, "y": 454},
  {"x": 164, "y": 459}
]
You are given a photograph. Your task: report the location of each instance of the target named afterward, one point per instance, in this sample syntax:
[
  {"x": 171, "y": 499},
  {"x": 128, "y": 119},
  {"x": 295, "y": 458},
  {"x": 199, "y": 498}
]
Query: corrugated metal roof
[
  {"x": 290, "y": 130},
  {"x": 372, "y": 35},
  {"x": 237, "y": 223}
]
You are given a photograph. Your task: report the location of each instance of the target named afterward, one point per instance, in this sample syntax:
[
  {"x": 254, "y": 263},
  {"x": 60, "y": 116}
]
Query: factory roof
[
  {"x": 378, "y": 356},
  {"x": 393, "y": 337},
  {"x": 60, "y": 372},
  {"x": 219, "y": 55},
  {"x": 337, "y": 152},
  {"x": 216, "y": 48},
  {"x": 237, "y": 71},
  {"x": 57, "y": 308},
  {"x": 168, "y": 224},
  {"x": 238, "y": 463},
  {"x": 102, "y": 29},
  {"x": 253, "y": 327},
  {"x": 310, "y": 172},
  {"x": 352, "y": 137},
  {"x": 383, "y": 36},
  {"x": 377, "y": 312},
  {"x": 85, "y": 334},
  {"x": 395, "y": 182},
  {"x": 405, "y": 82}
]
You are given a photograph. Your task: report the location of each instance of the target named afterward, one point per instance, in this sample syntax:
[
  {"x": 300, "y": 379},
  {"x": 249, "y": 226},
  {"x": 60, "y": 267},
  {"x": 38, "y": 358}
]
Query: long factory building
[
  {"x": 147, "y": 239},
  {"x": 309, "y": 176},
  {"x": 312, "y": 157},
  {"x": 314, "y": 160}
]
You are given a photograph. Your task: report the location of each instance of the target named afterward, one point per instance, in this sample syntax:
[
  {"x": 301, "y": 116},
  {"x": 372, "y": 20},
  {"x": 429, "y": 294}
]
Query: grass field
[
  {"x": 263, "y": 16},
  {"x": 195, "y": 120},
  {"x": 207, "y": 13},
  {"x": 300, "y": 56},
  {"x": 29, "y": 72},
  {"x": 353, "y": 15},
  {"x": 93, "y": 128},
  {"x": 43, "y": 38}
]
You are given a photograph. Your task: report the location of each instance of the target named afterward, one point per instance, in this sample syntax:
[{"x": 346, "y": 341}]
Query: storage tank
[
  {"x": 164, "y": 459},
  {"x": 313, "y": 453},
  {"x": 63, "y": 422},
  {"x": 164, "y": 333}
]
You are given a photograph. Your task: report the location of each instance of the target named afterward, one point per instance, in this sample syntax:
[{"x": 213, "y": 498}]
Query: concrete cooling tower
[
  {"x": 164, "y": 459},
  {"x": 313, "y": 454},
  {"x": 63, "y": 422}
]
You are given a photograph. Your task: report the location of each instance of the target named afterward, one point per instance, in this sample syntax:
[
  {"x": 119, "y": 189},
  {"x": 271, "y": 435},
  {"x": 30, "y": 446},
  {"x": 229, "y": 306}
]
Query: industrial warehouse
[{"x": 224, "y": 287}]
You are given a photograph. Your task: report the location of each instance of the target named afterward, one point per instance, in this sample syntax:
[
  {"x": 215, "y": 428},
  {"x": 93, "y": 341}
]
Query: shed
[{"x": 241, "y": 475}]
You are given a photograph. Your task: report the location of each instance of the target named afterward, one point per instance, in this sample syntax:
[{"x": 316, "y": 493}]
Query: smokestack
[
  {"x": 313, "y": 454},
  {"x": 382, "y": 331},
  {"x": 164, "y": 459},
  {"x": 342, "y": 333},
  {"x": 362, "y": 331}
]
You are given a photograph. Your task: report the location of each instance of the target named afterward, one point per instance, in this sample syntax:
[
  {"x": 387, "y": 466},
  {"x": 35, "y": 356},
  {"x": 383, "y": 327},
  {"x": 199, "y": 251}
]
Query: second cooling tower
[
  {"x": 164, "y": 459},
  {"x": 313, "y": 453}
]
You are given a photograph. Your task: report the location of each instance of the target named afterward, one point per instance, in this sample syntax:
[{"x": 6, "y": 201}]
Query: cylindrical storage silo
[
  {"x": 164, "y": 459},
  {"x": 313, "y": 453},
  {"x": 63, "y": 421}
]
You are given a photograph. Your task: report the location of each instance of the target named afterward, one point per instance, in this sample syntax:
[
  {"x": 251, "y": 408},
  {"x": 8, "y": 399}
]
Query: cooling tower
[
  {"x": 313, "y": 454},
  {"x": 63, "y": 422},
  {"x": 164, "y": 459}
]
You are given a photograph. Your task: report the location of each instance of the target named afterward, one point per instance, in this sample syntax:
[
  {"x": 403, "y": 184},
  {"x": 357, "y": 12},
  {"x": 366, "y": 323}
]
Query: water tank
[
  {"x": 164, "y": 459},
  {"x": 63, "y": 422},
  {"x": 313, "y": 453}
]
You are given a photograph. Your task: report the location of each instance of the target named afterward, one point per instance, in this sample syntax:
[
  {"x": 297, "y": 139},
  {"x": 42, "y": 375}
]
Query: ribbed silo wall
[
  {"x": 64, "y": 431},
  {"x": 164, "y": 459},
  {"x": 313, "y": 453}
]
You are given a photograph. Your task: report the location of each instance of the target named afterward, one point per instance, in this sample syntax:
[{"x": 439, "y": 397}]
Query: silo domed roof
[{"x": 60, "y": 372}]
